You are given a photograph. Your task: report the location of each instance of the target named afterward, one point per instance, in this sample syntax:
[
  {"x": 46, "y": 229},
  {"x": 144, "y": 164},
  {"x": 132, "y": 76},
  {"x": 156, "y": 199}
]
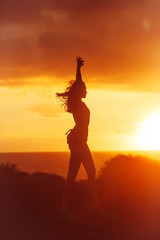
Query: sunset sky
[{"x": 120, "y": 43}]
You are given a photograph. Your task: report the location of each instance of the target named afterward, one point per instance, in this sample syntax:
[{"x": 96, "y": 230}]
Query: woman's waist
[
  {"x": 77, "y": 135},
  {"x": 80, "y": 128},
  {"x": 78, "y": 131}
]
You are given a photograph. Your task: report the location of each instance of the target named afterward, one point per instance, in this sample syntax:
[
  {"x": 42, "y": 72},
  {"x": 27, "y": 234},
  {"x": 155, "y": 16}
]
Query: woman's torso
[{"x": 81, "y": 116}]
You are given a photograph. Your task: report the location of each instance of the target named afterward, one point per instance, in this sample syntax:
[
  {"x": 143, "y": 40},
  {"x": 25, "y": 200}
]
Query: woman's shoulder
[
  {"x": 84, "y": 107},
  {"x": 81, "y": 106}
]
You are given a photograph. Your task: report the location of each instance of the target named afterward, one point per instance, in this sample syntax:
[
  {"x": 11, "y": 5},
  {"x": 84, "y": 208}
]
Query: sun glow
[{"x": 148, "y": 135}]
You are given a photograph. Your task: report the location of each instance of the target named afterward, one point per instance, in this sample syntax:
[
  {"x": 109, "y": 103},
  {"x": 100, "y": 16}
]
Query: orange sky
[{"x": 39, "y": 41}]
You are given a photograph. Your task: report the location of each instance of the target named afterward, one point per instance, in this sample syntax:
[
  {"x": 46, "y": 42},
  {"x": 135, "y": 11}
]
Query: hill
[{"x": 128, "y": 191}]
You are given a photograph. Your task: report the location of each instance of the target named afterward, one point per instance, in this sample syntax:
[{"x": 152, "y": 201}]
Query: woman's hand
[{"x": 80, "y": 62}]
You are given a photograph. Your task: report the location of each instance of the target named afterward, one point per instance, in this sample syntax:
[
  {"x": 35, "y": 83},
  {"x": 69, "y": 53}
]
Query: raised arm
[{"x": 80, "y": 63}]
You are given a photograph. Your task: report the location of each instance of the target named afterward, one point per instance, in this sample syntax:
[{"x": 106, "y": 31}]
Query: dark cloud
[
  {"x": 42, "y": 38},
  {"x": 27, "y": 11}
]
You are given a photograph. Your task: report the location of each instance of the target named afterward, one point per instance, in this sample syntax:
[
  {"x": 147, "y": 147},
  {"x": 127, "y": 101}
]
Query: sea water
[{"x": 57, "y": 162}]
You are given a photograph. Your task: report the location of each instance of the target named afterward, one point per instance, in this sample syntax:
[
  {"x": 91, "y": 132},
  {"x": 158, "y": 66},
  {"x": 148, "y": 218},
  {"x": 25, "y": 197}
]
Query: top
[{"x": 82, "y": 118}]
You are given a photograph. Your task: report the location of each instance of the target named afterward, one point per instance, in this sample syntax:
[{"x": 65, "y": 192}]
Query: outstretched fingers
[{"x": 80, "y": 61}]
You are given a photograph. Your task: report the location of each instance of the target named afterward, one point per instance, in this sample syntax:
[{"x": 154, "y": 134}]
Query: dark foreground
[{"x": 128, "y": 190}]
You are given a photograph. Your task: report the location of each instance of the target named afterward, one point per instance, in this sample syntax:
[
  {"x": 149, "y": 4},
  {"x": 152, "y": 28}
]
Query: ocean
[{"x": 57, "y": 162}]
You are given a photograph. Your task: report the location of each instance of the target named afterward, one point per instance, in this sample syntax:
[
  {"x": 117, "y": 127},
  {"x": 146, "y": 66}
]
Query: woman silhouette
[{"x": 77, "y": 140}]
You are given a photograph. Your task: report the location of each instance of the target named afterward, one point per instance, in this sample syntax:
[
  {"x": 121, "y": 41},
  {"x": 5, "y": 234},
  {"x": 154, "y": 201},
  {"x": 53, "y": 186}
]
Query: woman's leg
[
  {"x": 88, "y": 164},
  {"x": 74, "y": 165}
]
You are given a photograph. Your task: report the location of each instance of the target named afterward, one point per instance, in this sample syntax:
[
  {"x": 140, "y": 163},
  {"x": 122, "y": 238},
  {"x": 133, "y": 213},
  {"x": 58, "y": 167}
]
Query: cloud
[
  {"x": 117, "y": 38},
  {"x": 127, "y": 129},
  {"x": 45, "y": 110}
]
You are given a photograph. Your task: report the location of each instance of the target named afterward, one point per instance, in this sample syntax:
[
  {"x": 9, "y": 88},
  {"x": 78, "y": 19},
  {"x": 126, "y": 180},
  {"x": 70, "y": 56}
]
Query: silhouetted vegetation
[{"x": 129, "y": 192}]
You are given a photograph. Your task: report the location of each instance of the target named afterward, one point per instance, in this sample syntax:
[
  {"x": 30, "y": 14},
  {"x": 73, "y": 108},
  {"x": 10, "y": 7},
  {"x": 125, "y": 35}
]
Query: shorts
[{"x": 74, "y": 137}]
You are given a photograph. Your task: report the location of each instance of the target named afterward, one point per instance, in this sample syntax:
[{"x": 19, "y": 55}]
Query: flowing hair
[{"x": 70, "y": 96}]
